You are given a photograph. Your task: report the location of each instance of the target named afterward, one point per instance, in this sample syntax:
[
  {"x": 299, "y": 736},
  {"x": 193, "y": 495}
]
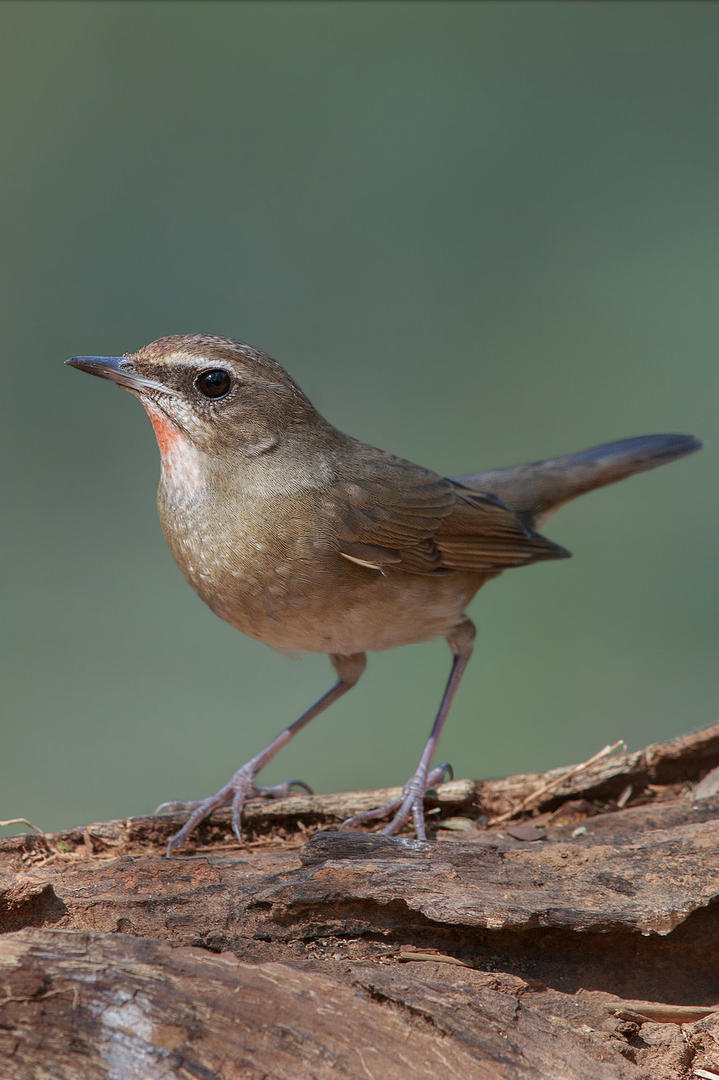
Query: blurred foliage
[{"x": 475, "y": 234}]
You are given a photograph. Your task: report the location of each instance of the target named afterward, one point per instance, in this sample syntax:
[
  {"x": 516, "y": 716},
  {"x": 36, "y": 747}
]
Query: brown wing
[
  {"x": 399, "y": 514},
  {"x": 483, "y": 534},
  {"x": 392, "y": 509}
]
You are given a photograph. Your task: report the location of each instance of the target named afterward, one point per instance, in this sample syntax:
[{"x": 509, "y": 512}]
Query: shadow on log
[{"x": 578, "y": 941}]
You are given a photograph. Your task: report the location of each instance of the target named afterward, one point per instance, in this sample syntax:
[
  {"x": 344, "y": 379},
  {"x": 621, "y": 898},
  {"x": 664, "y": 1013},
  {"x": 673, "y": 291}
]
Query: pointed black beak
[
  {"x": 120, "y": 370},
  {"x": 107, "y": 367}
]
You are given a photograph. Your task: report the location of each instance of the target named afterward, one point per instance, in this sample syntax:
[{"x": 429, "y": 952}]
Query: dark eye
[{"x": 213, "y": 384}]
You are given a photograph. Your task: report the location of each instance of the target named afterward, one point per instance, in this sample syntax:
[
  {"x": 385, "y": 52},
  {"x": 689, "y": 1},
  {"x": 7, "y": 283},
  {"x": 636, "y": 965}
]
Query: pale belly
[
  {"x": 347, "y": 616},
  {"x": 295, "y": 592}
]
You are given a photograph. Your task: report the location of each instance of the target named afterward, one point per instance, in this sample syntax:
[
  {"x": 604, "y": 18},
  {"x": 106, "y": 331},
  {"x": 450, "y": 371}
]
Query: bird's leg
[
  {"x": 411, "y": 802},
  {"x": 241, "y": 786}
]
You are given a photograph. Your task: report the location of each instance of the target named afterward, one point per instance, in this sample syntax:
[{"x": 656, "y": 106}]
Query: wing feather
[{"x": 400, "y": 515}]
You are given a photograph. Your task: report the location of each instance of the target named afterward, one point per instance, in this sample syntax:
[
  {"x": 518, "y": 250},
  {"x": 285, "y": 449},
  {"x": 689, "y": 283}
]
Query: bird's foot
[
  {"x": 238, "y": 791},
  {"x": 410, "y": 804}
]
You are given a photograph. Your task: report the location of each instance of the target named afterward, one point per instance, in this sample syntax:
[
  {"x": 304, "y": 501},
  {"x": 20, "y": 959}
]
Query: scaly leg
[
  {"x": 411, "y": 802},
  {"x": 242, "y": 787}
]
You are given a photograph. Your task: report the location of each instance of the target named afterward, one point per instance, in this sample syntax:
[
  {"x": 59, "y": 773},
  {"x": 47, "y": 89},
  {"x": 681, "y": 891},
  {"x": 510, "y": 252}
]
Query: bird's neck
[
  {"x": 267, "y": 468},
  {"x": 183, "y": 465}
]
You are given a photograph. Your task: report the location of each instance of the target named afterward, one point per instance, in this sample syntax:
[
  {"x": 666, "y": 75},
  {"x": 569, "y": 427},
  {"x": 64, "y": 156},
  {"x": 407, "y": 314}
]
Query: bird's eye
[{"x": 213, "y": 384}]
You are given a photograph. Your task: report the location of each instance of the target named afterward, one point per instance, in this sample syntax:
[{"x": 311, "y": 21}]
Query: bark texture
[{"x": 578, "y": 940}]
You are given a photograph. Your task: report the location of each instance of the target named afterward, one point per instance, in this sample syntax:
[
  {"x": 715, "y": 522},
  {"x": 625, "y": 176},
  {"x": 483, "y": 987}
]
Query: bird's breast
[{"x": 270, "y": 566}]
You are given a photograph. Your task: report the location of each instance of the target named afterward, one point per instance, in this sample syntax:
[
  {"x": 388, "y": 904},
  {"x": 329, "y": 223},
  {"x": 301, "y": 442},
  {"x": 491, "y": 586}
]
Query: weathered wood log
[{"x": 580, "y": 942}]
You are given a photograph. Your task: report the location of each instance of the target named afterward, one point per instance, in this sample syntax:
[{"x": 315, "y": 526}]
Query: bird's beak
[{"x": 120, "y": 370}]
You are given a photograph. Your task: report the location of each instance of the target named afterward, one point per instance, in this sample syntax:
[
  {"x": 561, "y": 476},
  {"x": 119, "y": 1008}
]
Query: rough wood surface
[{"x": 580, "y": 940}]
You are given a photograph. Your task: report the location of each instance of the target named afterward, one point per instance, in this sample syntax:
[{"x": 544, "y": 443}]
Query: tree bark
[{"x": 578, "y": 940}]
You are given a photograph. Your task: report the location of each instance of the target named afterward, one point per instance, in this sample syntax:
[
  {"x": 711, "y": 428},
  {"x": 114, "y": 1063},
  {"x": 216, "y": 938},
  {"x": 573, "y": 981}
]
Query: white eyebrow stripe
[{"x": 208, "y": 363}]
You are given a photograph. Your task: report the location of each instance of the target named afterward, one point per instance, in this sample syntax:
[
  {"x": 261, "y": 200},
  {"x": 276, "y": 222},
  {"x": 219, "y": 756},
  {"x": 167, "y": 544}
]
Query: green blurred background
[{"x": 476, "y": 234}]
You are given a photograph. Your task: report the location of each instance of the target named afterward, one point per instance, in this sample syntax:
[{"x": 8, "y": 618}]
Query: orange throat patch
[
  {"x": 168, "y": 435},
  {"x": 181, "y": 461}
]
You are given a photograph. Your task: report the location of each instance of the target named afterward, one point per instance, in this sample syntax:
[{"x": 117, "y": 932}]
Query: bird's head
[{"x": 222, "y": 395}]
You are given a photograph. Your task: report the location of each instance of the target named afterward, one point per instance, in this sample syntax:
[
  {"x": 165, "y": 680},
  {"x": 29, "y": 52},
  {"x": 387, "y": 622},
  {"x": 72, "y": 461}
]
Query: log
[{"x": 576, "y": 940}]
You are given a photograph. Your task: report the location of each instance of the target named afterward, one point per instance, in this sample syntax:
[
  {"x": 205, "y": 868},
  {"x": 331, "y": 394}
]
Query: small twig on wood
[
  {"x": 625, "y": 796},
  {"x": 22, "y": 821},
  {"x": 661, "y": 1013},
  {"x": 570, "y": 773}
]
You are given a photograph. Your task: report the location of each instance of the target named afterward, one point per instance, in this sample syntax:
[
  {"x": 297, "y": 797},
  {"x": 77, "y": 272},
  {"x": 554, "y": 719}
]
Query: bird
[{"x": 312, "y": 541}]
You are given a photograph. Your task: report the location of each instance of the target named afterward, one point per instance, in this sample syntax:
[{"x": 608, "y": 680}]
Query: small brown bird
[{"x": 312, "y": 541}]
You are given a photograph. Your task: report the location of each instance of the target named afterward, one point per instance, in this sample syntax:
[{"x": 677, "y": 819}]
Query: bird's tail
[{"x": 536, "y": 490}]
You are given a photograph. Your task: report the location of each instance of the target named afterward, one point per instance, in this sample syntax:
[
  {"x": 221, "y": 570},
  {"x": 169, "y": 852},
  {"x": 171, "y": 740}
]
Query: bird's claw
[
  {"x": 440, "y": 774},
  {"x": 238, "y": 791},
  {"x": 410, "y": 804}
]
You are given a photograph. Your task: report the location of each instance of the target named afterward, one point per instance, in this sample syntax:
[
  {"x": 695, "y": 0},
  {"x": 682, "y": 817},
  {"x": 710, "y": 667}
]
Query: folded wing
[{"x": 400, "y": 515}]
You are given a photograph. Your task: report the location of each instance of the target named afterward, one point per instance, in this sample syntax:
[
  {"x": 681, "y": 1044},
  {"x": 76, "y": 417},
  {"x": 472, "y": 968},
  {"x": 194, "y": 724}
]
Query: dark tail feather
[{"x": 536, "y": 490}]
